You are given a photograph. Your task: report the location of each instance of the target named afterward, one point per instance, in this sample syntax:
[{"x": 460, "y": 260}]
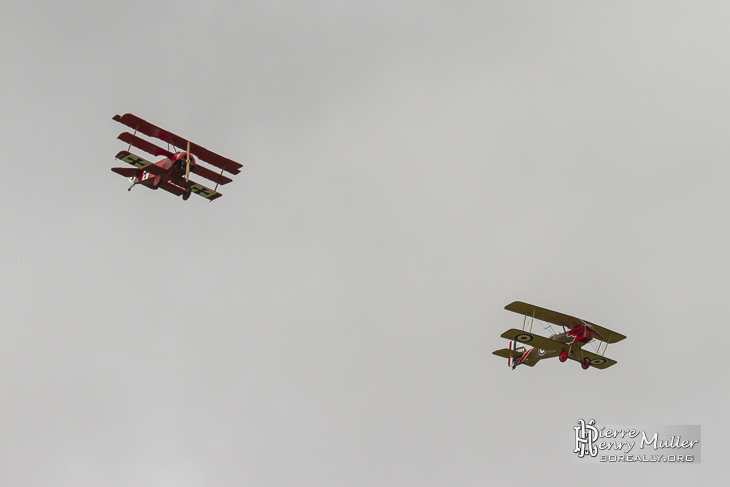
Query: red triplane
[
  {"x": 565, "y": 345},
  {"x": 173, "y": 172}
]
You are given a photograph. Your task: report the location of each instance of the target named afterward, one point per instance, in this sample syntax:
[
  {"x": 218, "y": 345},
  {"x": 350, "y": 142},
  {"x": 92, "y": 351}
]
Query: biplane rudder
[{"x": 509, "y": 359}]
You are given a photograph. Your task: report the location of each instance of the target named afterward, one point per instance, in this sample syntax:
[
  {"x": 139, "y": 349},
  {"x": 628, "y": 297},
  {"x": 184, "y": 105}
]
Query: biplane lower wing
[
  {"x": 596, "y": 360},
  {"x": 549, "y": 348},
  {"x": 561, "y": 319},
  {"x": 534, "y": 340}
]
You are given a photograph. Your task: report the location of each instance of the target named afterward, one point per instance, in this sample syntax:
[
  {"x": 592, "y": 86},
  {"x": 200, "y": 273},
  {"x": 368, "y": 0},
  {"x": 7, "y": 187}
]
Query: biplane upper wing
[
  {"x": 150, "y": 130},
  {"x": 561, "y": 319},
  {"x": 534, "y": 340}
]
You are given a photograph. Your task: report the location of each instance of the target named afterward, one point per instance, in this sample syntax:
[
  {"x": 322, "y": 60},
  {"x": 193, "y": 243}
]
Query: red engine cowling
[
  {"x": 582, "y": 333},
  {"x": 179, "y": 162}
]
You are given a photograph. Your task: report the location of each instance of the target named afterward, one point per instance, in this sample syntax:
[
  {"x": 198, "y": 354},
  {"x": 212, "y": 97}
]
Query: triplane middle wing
[{"x": 565, "y": 345}]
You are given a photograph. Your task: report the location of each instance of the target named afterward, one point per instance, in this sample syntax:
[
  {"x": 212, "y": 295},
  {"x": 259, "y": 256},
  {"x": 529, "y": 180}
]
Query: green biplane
[{"x": 565, "y": 345}]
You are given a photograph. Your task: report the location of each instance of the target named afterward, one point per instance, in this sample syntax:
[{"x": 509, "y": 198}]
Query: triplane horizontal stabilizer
[
  {"x": 172, "y": 173},
  {"x": 568, "y": 344}
]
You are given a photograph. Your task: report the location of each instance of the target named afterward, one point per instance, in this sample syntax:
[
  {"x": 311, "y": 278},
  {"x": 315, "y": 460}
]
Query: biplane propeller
[
  {"x": 568, "y": 344},
  {"x": 172, "y": 173}
]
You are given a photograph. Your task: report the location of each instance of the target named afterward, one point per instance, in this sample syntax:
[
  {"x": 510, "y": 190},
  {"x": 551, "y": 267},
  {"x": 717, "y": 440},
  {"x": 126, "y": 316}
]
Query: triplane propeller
[
  {"x": 565, "y": 345},
  {"x": 173, "y": 172}
]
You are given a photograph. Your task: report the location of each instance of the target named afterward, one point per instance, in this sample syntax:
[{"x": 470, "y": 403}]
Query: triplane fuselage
[{"x": 565, "y": 345}]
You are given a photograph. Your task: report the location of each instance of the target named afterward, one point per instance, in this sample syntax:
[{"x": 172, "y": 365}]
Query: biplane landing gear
[
  {"x": 563, "y": 356},
  {"x": 186, "y": 194},
  {"x": 585, "y": 363}
]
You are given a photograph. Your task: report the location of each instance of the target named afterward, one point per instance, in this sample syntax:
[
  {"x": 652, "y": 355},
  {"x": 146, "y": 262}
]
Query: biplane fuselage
[{"x": 566, "y": 345}]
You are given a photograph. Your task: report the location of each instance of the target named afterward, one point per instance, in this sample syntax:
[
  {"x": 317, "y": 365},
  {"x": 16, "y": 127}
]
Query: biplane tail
[{"x": 509, "y": 353}]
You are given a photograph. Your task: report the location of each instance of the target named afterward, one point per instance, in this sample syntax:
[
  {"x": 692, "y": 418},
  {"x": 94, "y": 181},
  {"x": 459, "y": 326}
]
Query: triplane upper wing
[
  {"x": 567, "y": 321},
  {"x": 150, "y": 130}
]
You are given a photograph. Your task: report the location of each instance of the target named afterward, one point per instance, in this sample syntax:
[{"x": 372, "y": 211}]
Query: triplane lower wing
[
  {"x": 172, "y": 173},
  {"x": 565, "y": 345}
]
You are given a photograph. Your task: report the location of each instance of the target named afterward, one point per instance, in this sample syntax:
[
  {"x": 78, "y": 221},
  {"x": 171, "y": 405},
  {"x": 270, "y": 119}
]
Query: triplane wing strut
[{"x": 566, "y": 345}]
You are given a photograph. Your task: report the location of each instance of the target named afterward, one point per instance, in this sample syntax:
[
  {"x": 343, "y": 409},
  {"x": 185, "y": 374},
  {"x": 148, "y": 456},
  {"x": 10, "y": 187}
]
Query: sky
[{"x": 409, "y": 169}]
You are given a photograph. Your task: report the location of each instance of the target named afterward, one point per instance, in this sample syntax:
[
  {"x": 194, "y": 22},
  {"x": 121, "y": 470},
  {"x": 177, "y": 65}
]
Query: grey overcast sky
[{"x": 409, "y": 169}]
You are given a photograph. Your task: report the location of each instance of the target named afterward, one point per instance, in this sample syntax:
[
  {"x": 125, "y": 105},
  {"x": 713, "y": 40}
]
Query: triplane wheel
[
  {"x": 585, "y": 363},
  {"x": 186, "y": 194},
  {"x": 563, "y": 356}
]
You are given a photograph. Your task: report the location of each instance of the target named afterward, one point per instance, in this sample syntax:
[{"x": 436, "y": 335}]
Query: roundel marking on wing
[
  {"x": 598, "y": 361},
  {"x": 523, "y": 337}
]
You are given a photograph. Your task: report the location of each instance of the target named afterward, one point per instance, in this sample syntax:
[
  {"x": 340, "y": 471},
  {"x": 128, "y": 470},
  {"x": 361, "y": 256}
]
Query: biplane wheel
[
  {"x": 563, "y": 356},
  {"x": 585, "y": 363},
  {"x": 187, "y": 194}
]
